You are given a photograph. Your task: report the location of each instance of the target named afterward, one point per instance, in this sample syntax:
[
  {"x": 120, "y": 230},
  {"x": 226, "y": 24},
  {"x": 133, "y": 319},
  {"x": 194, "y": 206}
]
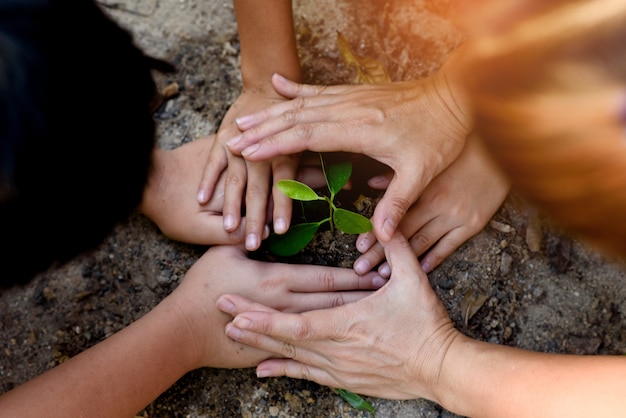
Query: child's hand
[
  {"x": 166, "y": 197},
  {"x": 455, "y": 206},
  {"x": 173, "y": 179},
  {"x": 284, "y": 287},
  {"x": 252, "y": 179}
]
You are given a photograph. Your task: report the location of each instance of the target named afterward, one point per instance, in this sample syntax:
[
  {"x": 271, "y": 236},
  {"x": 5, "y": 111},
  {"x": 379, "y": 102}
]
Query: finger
[
  {"x": 233, "y": 304},
  {"x": 448, "y": 244},
  {"x": 295, "y": 370},
  {"x": 283, "y": 326},
  {"x": 393, "y": 206},
  {"x": 234, "y": 185},
  {"x": 208, "y": 229},
  {"x": 304, "y": 302},
  {"x": 312, "y": 176},
  {"x": 380, "y": 182},
  {"x": 213, "y": 168},
  {"x": 291, "y": 90},
  {"x": 310, "y": 278},
  {"x": 257, "y": 195},
  {"x": 370, "y": 259},
  {"x": 283, "y": 168},
  {"x": 401, "y": 257}
]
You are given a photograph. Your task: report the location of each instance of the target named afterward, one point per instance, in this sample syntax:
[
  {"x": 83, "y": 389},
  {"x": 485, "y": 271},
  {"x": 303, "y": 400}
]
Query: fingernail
[
  {"x": 252, "y": 242},
  {"x": 233, "y": 332},
  {"x": 388, "y": 229},
  {"x": 279, "y": 77},
  {"x": 362, "y": 245},
  {"x": 250, "y": 150},
  {"x": 378, "y": 282},
  {"x": 362, "y": 266},
  {"x": 266, "y": 231},
  {"x": 242, "y": 121},
  {"x": 425, "y": 266},
  {"x": 229, "y": 222},
  {"x": 242, "y": 322},
  {"x": 385, "y": 270},
  {"x": 260, "y": 372},
  {"x": 201, "y": 196},
  {"x": 233, "y": 141},
  {"x": 280, "y": 226},
  {"x": 225, "y": 305},
  {"x": 377, "y": 180}
]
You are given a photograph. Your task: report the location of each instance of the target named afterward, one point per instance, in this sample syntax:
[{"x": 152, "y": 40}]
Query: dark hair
[{"x": 76, "y": 131}]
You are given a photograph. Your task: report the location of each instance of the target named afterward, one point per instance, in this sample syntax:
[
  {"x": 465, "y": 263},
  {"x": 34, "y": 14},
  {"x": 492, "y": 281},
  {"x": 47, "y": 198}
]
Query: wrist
[{"x": 450, "y": 85}]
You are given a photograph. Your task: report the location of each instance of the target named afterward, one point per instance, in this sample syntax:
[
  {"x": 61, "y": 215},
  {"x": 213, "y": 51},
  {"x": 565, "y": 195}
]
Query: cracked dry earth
[{"x": 519, "y": 282}]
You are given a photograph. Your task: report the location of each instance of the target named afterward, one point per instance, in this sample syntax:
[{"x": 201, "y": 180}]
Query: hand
[
  {"x": 455, "y": 206},
  {"x": 173, "y": 178},
  {"x": 415, "y": 127},
  {"x": 284, "y": 287},
  {"x": 252, "y": 178},
  {"x": 390, "y": 344},
  {"x": 166, "y": 198}
]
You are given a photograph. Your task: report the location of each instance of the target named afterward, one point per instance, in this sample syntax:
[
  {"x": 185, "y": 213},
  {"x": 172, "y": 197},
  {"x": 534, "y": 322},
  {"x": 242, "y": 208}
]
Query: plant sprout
[{"x": 298, "y": 236}]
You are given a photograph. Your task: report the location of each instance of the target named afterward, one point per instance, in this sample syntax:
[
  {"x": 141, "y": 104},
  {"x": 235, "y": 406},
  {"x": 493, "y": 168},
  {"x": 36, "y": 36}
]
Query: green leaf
[
  {"x": 356, "y": 401},
  {"x": 351, "y": 222},
  {"x": 337, "y": 176},
  {"x": 294, "y": 240},
  {"x": 298, "y": 191}
]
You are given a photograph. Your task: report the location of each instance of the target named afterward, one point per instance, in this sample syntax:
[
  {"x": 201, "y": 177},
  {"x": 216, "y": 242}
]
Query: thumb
[
  {"x": 398, "y": 197},
  {"x": 291, "y": 89},
  {"x": 401, "y": 257}
]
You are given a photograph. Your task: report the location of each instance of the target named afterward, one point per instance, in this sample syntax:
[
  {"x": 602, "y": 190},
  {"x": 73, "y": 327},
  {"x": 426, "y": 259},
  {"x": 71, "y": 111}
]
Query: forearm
[
  {"x": 488, "y": 380},
  {"x": 267, "y": 41},
  {"x": 115, "y": 378}
]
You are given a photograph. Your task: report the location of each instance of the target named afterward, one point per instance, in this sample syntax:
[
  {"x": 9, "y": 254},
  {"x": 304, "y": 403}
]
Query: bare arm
[
  {"x": 268, "y": 45},
  {"x": 399, "y": 343},
  {"x": 268, "y": 42},
  {"x": 121, "y": 375}
]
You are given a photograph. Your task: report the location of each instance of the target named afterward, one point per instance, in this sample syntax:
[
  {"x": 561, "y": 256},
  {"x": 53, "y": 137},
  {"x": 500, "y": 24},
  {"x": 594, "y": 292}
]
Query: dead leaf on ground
[
  {"x": 471, "y": 303},
  {"x": 368, "y": 70},
  {"x": 534, "y": 234}
]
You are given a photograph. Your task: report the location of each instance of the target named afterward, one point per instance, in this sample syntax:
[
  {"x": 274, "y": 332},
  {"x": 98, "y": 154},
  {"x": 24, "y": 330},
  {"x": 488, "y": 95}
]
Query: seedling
[{"x": 298, "y": 236}]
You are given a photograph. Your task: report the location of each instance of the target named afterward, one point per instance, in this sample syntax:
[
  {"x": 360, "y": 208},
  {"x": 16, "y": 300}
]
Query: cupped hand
[
  {"x": 252, "y": 179},
  {"x": 390, "y": 344},
  {"x": 417, "y": 128},
  {"x": 454, "y": 207},
  {"x": 282, "y": 287}
]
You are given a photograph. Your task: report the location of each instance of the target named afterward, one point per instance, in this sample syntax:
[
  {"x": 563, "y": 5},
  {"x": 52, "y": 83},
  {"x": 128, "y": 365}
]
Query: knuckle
[
  {"x": 337, "y": 300},
  {"x": 301, "y": 331},
  {"x": 233, "y": 180},
  {"x": 327, "y": 281},
  {"x": 289, "y": 350},
  {"x": 303, "y": 131}
]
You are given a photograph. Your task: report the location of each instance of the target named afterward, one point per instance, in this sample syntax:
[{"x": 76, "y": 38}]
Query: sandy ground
[{"x": 559, "y": 297}]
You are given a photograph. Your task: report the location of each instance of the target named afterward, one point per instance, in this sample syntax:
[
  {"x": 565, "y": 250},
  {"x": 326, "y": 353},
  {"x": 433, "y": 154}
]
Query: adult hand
[
  {"x": 252, "y": 179},
  {"x": 455, "y": 206},
  {"x": 417, "y": 128},
  {"x": 283, "y": 287},
  {"x": 390, "y": 344}
]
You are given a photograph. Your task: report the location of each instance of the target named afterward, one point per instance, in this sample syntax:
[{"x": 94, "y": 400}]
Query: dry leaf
[
  {"x": 368, "y": 70},
  {"x": 534, "y": 234},
  {"x": 471, "y": 303},
  {"x": 501, "y": 227}
]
